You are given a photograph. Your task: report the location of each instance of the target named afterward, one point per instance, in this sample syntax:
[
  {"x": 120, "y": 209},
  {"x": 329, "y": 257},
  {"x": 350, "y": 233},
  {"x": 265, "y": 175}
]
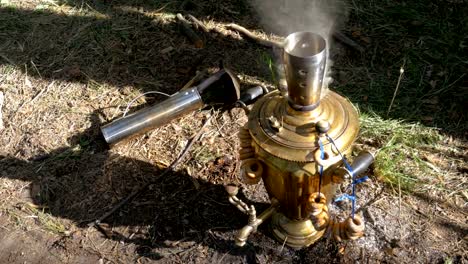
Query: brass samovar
[{"x": 297, "y": 143}]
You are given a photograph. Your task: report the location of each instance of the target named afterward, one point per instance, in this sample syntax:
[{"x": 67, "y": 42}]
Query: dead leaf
[
  {"x": 211, "y": 140},
  {"x": 74, "y": 71},
  {"x": 176, "y": 127},
  {"x": 432, "y": 101},
  {"x": 356, "y": 33},
  {"x": 389, "y": 251},
  {"x": 432, "y": 158},
  {"x": 27, "y": 82},
  {"x": 166, "y": 50},
  {"x": 366, "y": 40},
  {"x": 341, "y": 250},
  {"x": 196, "y": 184},
  {"x": 183, "y": 70},
  {"x": 219, "y": 161}
]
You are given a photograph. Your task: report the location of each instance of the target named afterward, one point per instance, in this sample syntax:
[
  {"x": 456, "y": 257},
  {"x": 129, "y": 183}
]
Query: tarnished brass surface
[
  {"x": 297, "y": 234},
  {"x": 351, "y": 228},
  {"x": 244, "y": 233},
  {"x": 292, "y": 135},
  {"x": 285, "y": 145},
  {"x": 293, "y": 142}
]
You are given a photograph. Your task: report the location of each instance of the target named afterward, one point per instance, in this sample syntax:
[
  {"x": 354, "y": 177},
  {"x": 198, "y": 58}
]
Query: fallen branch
[
  {"x": 169, "y": 169},
  {"x": 187, "y": 29},
  {"x": 198, "y": 77},
  {"x": 198, "y": 23},
  {"x": 338, "y": 36},
  {"x": 263, "y": 42}
]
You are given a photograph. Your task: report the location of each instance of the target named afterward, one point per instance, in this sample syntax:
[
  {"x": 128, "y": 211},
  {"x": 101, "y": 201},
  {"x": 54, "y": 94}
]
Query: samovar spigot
[{"x": 254, "y": 221}]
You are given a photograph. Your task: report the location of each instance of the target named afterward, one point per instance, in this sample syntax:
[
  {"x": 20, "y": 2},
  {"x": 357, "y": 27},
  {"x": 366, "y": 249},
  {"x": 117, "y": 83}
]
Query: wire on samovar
[
  {"x": 354, "y": 181},
  {"x": 322, "y": 156}
]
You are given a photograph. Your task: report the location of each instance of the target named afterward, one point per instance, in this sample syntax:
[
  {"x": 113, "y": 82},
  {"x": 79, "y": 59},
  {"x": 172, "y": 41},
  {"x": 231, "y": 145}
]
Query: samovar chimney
[{"x": 305, "y": 57}]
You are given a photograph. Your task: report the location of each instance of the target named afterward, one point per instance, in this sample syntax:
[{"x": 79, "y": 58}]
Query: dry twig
[
  {"x": 198, "y": 77},
  {"x": 187, "y": 29},
  {"x": 270, "y": 43},
  {"x": 402, "y": 70},
  {"x": 198, "y": 23},
  {"x": 340, "y": 37},
  {"x": 246, "y": 32},
  {"x": 169, "y": 169},
  {"x": 42, "y": 91}
]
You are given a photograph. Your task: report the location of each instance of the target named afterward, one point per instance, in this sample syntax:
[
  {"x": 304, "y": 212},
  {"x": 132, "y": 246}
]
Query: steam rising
[{"x": 283, "y": 17}]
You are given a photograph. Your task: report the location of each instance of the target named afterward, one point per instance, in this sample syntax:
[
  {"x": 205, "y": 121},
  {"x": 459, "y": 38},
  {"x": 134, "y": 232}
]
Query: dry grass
[
  {"x": 66, "y": 67},
  {"x": 415, "y": 158}
]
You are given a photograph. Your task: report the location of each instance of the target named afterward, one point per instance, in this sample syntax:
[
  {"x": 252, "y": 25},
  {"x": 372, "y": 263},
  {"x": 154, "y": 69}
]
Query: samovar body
[{"x": 296, "y": 143}]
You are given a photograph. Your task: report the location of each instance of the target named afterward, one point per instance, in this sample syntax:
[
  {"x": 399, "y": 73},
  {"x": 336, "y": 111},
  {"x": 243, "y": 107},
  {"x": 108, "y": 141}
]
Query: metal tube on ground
[
  {"x": 151, "y": 117},
  {"x": 183, "y": 102}
]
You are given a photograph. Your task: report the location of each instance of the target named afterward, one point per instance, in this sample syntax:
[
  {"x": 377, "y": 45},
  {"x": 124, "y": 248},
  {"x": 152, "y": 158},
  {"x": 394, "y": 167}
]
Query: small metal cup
[{"x": 305, "y": 58}]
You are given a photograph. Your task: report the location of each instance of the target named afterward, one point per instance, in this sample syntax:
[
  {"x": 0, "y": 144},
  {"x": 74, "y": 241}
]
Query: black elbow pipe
[{"x": 361, "y": 163}]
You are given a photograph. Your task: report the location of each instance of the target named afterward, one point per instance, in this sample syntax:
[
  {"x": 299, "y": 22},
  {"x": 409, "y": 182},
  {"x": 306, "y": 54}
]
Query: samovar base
[{"x": 294, "y": 233}]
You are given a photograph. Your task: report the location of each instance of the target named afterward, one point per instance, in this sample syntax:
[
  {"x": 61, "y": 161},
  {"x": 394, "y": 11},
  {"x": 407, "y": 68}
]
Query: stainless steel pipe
[
  {"x": 305, "y": 57},
  {"x": 148, "y": 118},
  {"x": 178, "y": 104}
]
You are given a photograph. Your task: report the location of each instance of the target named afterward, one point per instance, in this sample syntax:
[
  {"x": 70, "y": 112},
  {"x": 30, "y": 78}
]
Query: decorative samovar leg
[
  {"x": 254, "y": 221},
  {"x": 352, "y": 228}
]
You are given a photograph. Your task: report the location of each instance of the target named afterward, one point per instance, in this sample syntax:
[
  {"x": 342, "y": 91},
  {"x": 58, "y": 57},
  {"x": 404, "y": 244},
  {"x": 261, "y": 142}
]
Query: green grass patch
[
  {"x": 266, "y": 59},
  {"x": 398, "y": 160},
  {"x": 19, "y": 216},
  {"x": 47, "y": 221},
  {"x": 428, "y": 39},
  {"x": 13, "y": 216}
]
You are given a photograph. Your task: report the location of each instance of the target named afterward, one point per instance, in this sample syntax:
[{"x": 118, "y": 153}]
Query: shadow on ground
[
  {"x": 178, "y": 210},
  {"x": 120, "y": 45},
  {"x": 138, "y": 44},
  {"x": 170, "y": 219}
]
